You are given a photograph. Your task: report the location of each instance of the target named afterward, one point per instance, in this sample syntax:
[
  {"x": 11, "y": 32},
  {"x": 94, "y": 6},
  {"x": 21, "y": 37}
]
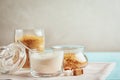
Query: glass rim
[
  {"x": 33, "y": 28},
  {"x": 67, "y": 47},
  {"x": 37, "y": 31}
]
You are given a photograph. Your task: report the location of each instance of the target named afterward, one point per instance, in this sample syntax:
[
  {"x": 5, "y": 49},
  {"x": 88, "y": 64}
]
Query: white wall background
[{"x": 92, "y": 23}]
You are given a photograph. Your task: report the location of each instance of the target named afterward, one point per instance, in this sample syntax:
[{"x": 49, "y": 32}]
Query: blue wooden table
[{"x": 107, "y": 57}]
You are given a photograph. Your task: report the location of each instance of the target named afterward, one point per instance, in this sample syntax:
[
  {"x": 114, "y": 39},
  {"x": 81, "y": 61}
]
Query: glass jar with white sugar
[{"x": 47, "y": 63}]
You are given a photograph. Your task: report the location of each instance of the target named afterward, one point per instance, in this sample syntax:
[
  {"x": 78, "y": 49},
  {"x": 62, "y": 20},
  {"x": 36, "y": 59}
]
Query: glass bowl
[{"x": 74, "y": 56}]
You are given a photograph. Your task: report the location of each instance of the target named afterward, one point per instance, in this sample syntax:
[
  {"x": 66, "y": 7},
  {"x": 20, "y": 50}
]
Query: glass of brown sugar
[{"x": 31, "y": 38}]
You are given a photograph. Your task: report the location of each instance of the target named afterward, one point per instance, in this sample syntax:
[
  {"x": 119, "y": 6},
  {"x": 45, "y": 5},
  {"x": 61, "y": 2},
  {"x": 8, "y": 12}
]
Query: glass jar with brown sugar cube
[{"x": 74, "y": 58}]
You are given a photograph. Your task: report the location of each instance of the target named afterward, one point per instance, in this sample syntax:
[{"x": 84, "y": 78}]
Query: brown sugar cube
[{"x": 77, "y": 72}]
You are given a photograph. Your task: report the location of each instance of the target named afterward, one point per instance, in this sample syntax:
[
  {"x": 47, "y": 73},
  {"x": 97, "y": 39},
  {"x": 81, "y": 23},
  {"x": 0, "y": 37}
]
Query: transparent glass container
[
  {"x": 12, "y": 58},
  {"x": 33, "y": 39},
  {"x": 74, "y": 56},
  {"x": 46, "y": 64}
]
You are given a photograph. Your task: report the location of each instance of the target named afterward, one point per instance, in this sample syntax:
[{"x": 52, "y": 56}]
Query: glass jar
[
  {"x": 74, "y": 56},
  {"x": 12, "y": 58},
  {"x": 33, "y": 39},
  {"x": 46, "y": 64}
]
